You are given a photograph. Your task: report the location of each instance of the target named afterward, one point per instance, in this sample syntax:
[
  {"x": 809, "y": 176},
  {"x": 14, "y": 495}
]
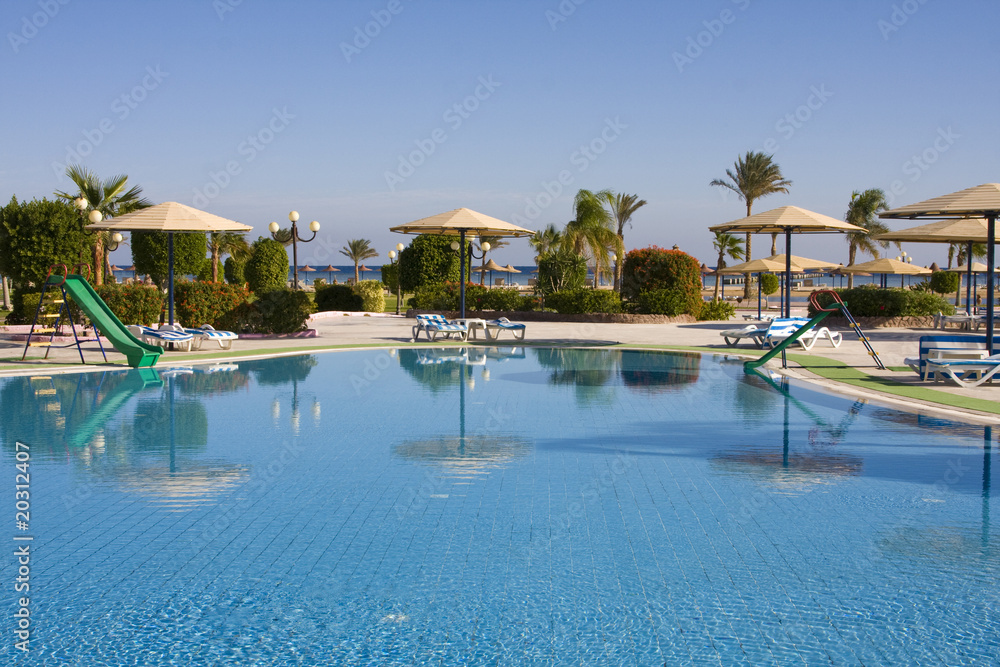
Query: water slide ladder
[
  {"x": 822, "y": 312},
  {"x": 40, "y": 326}
]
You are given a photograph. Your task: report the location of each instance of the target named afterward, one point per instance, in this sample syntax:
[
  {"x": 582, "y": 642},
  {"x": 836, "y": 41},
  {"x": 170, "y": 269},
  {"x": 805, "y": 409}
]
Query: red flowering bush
[
  {"x": 674, "y": 274},
  {"x": 133, "y": 303}
]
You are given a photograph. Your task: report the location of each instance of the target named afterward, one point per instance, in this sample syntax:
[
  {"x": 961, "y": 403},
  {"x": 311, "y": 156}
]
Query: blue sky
[{"x": 250, "y": 108}]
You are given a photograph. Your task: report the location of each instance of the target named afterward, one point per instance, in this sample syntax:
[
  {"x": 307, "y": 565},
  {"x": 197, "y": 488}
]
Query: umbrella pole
[
  {"x": 788, "y": 271},
  {"x": 170, "y": 278},
  {"x": 461, "y": 276},
  {"x": 991, "y": 223},
  {"x": 968, "y": 282}
]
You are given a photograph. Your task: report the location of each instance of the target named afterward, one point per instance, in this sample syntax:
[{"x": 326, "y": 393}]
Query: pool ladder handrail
[{"x": 842, "y": 307}]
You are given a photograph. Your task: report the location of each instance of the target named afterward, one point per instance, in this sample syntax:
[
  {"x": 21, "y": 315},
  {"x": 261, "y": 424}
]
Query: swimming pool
[{"x": 493, "y": 506}]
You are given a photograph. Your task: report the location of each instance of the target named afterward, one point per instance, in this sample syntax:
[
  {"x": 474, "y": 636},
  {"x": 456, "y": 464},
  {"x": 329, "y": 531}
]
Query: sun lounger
[
  {"x": 207, "y": 332},
  {"x": 162, "y": 337},
  {"x": 753, "y": 331},
  {"x": 495, "y": 327},
  {"x": 945, "y": 348},
  {"x": 783, "y": 327},
  {"x": 965, "y": 372},
  {"x": 432, "y": 325}
]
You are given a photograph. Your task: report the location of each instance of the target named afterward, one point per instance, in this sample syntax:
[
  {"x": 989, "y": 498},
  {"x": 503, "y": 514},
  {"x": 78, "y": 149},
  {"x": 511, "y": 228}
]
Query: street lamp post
[
  {"x": 392, "y": 260},
  {"x": 293, "y": 217},
  {"x": 94, "y": 217},
  {"x": 455, "y": 245}
]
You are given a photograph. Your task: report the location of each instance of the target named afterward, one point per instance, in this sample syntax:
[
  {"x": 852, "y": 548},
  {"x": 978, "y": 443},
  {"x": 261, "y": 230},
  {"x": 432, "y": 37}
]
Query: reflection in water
[
  {"x": 290, "y": 369},
  {"x": 650, "y": 372},
  {"x": 194, "y": 484},
  {"x": 447, "y": 368}
]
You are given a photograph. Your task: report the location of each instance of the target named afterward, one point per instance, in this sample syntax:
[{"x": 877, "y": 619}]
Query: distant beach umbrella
[
  {"x": 307, "y": 269},
  {"x": 330, "y": 268}
]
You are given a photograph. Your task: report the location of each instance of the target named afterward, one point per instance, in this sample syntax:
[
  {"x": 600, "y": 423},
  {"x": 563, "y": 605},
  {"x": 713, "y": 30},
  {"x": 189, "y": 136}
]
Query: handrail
[
  {"x": 64, "y": 274},
  {"x": 84, "y": 265},
  {"x": 838, "y": 302}
]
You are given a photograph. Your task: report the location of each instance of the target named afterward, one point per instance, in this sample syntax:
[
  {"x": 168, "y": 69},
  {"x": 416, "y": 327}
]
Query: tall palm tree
[
  {"x": 726, "y": 244},
  {"x": 590, "y": 232},
  {"x": 495, "y": 242},
  {"x": 110, "y": 198},
  {"x": 226, "y": 243},
  {"x": 863, "y": 211},
  {"x": 753, "y": 176},
  {"x": 622, "y": 207},
  {"x": 358, "y": 250},
  {"x": 958, "y": 252}
]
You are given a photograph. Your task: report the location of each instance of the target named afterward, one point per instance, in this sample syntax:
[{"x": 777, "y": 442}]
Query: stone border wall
[{"x": 538, "y": 316}]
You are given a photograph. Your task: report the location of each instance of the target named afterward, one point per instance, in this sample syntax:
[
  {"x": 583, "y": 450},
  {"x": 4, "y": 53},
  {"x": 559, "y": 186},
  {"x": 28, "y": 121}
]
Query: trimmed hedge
[
  {"x": 201, "y": 303},
  {"x": 275, "y": 312},
  {"x": 871, "y": 301},
  {"x": 769, "y": 284},
  {"x": 234, "y": 271},
  {"x": 372, "y": 296},
  {"x": 267, "y": 268},
  {"x": 670, "y": 302},
  {"x": 584, "y": 300},
  {"x": 445, "y": 296},
  {"x": 651, "y": 269},
  {"x": 135, "y": 303},
  {"x": 945, "y": 282},
  {"x": 338, "y": 297}
]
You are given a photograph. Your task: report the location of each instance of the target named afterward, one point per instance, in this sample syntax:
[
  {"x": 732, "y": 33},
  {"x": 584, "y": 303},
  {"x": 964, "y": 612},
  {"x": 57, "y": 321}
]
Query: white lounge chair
[
  {"x": 495, "y": 327},
  {"x": 207, "y": 332},
  {"x": 752, "y": 331},
  {"x": 432, "y": 325},
  {"x": 940, "y": 349},
  {"x": 162, "y": 337},
  {"x": 965, "y": 372},
  {"x": 783, "y": 327}
]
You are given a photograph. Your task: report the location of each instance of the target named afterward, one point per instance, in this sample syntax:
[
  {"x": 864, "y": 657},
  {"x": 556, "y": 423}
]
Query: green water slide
[
  {"x": 139, "y": 354},
  {"x": 780, "y": 347}
]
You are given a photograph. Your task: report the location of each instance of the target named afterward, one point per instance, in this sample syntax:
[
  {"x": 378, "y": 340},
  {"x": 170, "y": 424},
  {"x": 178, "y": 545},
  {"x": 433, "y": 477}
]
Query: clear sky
[{"x": 364, "y": 115}]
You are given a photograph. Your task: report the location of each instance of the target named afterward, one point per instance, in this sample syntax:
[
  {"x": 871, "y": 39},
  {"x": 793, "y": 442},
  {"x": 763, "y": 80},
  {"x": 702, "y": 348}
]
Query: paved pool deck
[{"x": 848, "y": 368}]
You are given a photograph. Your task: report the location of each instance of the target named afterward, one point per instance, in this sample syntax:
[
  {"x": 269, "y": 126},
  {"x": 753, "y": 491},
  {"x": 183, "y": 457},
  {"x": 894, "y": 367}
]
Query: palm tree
[
  {"x": 495, "y": 242},
  {"x": 358, "y": 250},
  {"x": 622, "y": 207},
  {"x": 863, "y": 211},
  {"x": 545, "y": 240},
  {"x": 226, "y": 243},
  {"x": 591, "y": 232},
  {"x": 958, "y": 252},
  {"x": 755, "y": 175},
  {"x": 110, "y": 198},
  {"x": 726, "y": 244}
]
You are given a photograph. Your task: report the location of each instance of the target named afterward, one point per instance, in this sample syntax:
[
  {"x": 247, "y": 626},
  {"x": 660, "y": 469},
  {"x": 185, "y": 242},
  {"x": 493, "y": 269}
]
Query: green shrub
[
  {"x": 664, "y": 302},
  {"x": 284, "y": 310},
  {"x": 769, "y": 283},
  {"x": 651, "y": 269},
  {"x": 584, "y": 300},
  {"x": 201, "y": 303},
  {"x": 24, "y": 305},
  {"x": 150, "y": 254},
  {"x": 436, "y": 296},
  {"x": 717, "y": 309},
  {"x": 429, "y": 260},
  {"x": 945, "y": 282},
  {"x": 36, "y": 234},
  {"x": 372, "y": 296},
  {"x": 245, "y": 318},
  {"x": 135, "y": 303},
  {"x": 267, "y": 268},
  {"x": 234, "y": 271},
  {"x": 338, "y": 297},
  {"x": 871, "y": 301},
  {"x": 497, "y": 299},
  {"x": 390, "y": 273},
  {"x": 205, "y": 274},
  {"x": 560, "y": 271}
]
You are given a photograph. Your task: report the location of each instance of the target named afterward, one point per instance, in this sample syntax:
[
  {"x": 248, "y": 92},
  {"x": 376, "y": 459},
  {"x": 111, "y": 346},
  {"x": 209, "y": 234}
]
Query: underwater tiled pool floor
[{"x": 501, "y": 506}]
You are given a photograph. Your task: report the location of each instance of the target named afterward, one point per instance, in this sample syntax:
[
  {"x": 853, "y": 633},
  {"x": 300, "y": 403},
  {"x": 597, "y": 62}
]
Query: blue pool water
[{"x": 493, "y": 506}]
